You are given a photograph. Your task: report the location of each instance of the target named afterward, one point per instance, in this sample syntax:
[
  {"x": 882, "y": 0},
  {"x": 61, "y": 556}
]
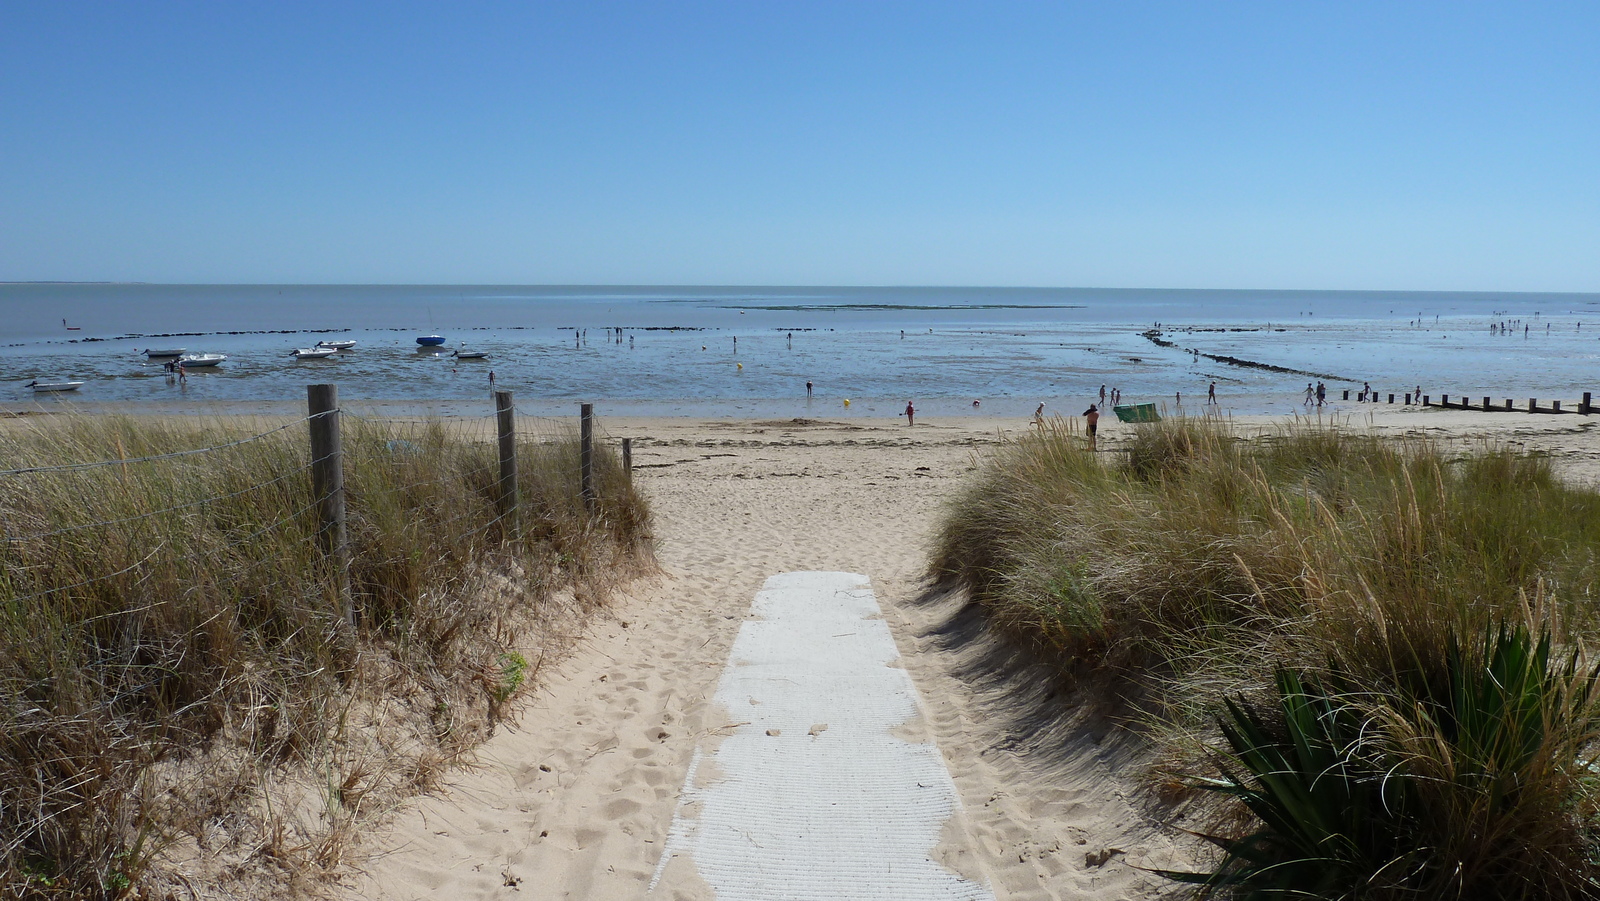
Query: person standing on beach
[
  {"x": 1038, "y": 414},
  {"x": 1211, "y": 393},
  {"x": 808, "y": 389},
  {"x": 1102, "y": 395},
  {"x": 911, "y": 413},
  {"x": 1322, "y": 394},
  {"x": 1092, "y": 417}
]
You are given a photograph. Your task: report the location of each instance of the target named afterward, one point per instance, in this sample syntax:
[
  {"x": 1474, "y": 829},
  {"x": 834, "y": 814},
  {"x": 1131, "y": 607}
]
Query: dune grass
[
  {"x": 1253, "y": 592},
  {"x": 171, "y": 642}
]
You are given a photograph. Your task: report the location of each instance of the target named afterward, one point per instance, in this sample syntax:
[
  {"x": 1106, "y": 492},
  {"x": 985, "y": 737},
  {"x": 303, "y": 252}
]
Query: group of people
[{"x": 1316, "y": 395}]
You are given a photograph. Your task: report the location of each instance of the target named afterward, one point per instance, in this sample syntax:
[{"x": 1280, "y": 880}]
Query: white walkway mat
[{"x": 814, "y": 796}]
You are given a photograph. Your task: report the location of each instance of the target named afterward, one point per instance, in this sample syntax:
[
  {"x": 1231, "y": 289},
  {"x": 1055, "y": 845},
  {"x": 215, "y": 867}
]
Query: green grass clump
[
  {"x": 1323, "y": 592},
  {"x": 171, "y": 635}
]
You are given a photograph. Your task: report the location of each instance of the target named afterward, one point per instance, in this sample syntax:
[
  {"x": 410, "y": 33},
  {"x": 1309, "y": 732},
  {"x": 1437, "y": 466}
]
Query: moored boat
[
  {"x": 49, "y": 387},
  {"x": 195, "y": 361},
  {"x": 430, "y": 340},
  {"x": 313, "y": 353},
  {"x": 166, "y": 352},
  {"x": 337, "y": 345},
  {"x": 470, "y": 354}
]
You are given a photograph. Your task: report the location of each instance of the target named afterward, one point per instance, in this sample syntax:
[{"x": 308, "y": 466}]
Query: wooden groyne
[{"x": 1583, "y": 407}]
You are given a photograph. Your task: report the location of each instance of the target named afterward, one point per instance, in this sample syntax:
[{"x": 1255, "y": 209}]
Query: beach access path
[{"x": 577, "y": 797}]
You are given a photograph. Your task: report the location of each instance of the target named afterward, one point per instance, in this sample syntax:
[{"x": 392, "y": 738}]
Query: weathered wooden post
[
  {"x": 1391, "y": 398},
  {"x": 1555, "y": 406},
  {"x": 1444, "y": 400},
  {"x": 1425, "y": 400},
  {"x": 327, "y": 484},
  {"x": 586, "y": 455},
  {"x": 627, "y": 458},
  {"x": 1584, "y": 406},
  {"x": 506, "y": 420},
  {"x": 1533, "y": 405},
  {"x": 1510, "y": 405},
  {"x": 1347, "y": 394},
  {"x": 1487, "y": 406}
]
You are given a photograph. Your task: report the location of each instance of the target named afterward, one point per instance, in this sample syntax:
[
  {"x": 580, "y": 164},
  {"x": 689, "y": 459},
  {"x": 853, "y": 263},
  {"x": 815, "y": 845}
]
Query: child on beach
[
  {"x": 1038, "y": 415},
  {"x": 1092, "y": 417},
  {"x": 911, "y": 413}
]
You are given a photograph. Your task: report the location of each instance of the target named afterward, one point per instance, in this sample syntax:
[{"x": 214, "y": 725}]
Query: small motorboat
[
  {"x": 195, "y": 361},
  {"x": 471, "y": 354},
  {"x": 337, "y": 345},
  {"x": 314, "y": 353},
  {"x": 166, "y": 352},
  {"x": 50, "y": 387},
  {"x": 430, "y": 340}
]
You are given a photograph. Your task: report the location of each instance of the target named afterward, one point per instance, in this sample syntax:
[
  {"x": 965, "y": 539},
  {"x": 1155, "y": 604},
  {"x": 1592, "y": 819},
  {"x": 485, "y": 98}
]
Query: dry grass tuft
[{"x": 1203, "y": 568}]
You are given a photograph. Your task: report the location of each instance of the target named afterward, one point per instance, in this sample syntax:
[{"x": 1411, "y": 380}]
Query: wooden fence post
[
  {"x": 586, "y": 455},
  {"x": 506, "y": 420},
  {"x": 327, "y": 484},
  {"x": 1487, "y": 405},
  {"x": 1584, "y": 406},
  {"x": 627, "y": 458},
  {"x": 1533, "y": 405}
]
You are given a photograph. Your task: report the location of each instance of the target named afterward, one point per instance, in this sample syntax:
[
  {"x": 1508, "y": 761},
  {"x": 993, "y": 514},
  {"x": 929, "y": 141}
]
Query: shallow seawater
[{"x": 750, "y": 352}]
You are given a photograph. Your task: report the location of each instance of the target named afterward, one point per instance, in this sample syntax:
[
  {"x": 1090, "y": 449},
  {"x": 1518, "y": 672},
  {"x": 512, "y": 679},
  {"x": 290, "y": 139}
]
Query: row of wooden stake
[{"x": 327, "y": 475}]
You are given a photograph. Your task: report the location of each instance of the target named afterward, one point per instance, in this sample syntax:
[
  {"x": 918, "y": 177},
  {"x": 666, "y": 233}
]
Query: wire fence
[{"x": 72, "y": 527}]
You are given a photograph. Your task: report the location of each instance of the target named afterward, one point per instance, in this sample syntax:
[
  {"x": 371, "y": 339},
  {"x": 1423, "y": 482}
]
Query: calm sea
[{"x": 750, "y": 351}]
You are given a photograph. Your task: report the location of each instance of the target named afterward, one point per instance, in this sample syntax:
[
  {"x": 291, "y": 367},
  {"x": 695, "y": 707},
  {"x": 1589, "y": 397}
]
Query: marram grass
[
  {"x": 1218, "y": 577},
  {"x": 171, "y": 638}
]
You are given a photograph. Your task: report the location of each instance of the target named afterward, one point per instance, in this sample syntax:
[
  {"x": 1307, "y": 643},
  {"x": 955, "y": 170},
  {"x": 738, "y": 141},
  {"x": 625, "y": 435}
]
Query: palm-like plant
[{"x": 1474, "y": 785}]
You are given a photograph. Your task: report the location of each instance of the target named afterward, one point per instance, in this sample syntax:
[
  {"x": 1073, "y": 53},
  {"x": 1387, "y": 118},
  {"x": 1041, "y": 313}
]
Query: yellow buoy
[
  {"x": 847, "y": 401},
  {"x": 740, "y": 365}
]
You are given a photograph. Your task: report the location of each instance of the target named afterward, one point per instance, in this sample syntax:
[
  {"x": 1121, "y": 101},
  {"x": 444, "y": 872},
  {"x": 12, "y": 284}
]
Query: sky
[{"x": 1340, "y": 145}]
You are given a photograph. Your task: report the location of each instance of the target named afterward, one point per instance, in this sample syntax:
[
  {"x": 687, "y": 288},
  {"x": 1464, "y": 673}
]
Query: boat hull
[{"x": 430, "y": 340}]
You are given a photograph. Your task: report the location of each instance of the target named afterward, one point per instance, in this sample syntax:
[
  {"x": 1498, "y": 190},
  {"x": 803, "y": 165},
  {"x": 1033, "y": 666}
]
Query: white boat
[
  {"x": 195, "y": 361},
  {"x": 166, "y": 352},
  {"x": 470, "y": 354},
  {"x": 53, "y": 386},
  {"x": 337, "y": 345},
  {"x": 314, "y": 353}
]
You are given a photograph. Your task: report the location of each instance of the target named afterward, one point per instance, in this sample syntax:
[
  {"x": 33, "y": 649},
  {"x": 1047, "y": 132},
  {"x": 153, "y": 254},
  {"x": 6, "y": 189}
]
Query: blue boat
[{"x": 430, "y": 340}]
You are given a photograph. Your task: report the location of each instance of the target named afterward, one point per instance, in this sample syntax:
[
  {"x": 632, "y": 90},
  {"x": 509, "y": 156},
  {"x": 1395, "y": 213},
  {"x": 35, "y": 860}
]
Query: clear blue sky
[{"x": 1271, "y": 145}]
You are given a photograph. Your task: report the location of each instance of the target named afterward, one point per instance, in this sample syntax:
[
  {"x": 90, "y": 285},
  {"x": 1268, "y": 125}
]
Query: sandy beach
[{"x": 576, "y": 799}]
